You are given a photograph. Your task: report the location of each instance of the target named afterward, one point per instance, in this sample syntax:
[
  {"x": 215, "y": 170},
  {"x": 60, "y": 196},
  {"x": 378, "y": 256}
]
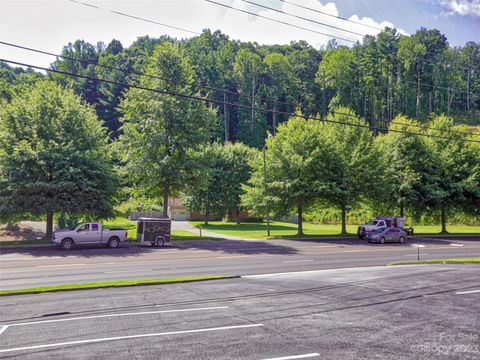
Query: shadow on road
[{"x": 131, "y": 250}]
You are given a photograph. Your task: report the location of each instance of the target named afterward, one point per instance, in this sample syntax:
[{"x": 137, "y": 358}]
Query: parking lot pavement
[{"x": 421, "y": 311}]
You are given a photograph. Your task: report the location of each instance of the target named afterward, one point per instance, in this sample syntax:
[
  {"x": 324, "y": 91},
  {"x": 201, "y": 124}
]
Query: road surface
[
  {"x": 402, "y": 312},
  {"x": 30, "y": 267}
]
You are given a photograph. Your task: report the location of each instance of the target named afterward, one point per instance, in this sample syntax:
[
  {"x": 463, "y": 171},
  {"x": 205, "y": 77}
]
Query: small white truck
[
  {"x": 383, "y": 222},
  {"x": 89, "y": 233}
]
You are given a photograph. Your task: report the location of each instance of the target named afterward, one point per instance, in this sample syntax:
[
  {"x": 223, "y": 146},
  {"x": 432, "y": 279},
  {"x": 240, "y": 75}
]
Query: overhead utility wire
[
  {"x": 194, "y": 97},
  {"x": 280, "y": 21},
  {"x": 301, "y": 17},
  {"x": 334, "y": 16},
  {"x": 198, "y": 33},
  {"x": 354, "y": 22},
  {"x": 189, "y": 84},
  {"x": 200, "y": 86},
  {"x": 136, "y": 17}
]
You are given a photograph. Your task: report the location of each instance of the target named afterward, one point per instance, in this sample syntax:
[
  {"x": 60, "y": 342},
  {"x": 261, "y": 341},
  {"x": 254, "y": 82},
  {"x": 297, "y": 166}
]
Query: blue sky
[
  {"x": 410, "y": 15},
  {"x": 51, "y": 24}
]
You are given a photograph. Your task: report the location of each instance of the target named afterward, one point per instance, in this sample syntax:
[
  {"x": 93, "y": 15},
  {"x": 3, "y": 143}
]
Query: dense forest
[{"x": 385, "y": 75}]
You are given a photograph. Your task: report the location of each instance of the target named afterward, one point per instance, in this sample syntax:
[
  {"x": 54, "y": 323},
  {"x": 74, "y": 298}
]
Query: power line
[
  {"x": 280, "y": 21},
  {"x": 340, "y": 18},
  {"x": 334, "y": 16},
  {"x": 184, "y": 83},
  {"x": 194, "y": 97},
  {"x": 136, "y": 17},
  {"x": 253, "y": 14},
  {"x": 301, "y": 17}
]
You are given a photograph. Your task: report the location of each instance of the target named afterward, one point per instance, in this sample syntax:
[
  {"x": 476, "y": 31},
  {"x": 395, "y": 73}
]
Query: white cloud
[{"x": 461, "y": 7}]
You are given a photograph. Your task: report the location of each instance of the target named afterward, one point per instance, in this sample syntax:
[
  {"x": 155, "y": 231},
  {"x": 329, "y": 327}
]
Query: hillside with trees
[{"x": 192, "y": 118}]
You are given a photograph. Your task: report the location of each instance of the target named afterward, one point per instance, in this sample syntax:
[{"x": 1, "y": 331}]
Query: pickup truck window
[
  {"x": 84, "y": 227},
  {"x": 94, "y": 227}
]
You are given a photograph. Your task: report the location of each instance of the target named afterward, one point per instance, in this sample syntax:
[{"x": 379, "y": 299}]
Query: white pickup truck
[
  {"x": 89, "y": 233},
  {"x": 383, "y": 222}
]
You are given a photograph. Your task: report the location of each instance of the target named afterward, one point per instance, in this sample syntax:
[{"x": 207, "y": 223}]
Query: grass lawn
[
  {"x": 113, "y": 283},
  {"x": 437, "y": 261},
  {"x": 283, "y": 229},
  {"x": 452, "y": 229},
  {"x": 277, "y": 229}
]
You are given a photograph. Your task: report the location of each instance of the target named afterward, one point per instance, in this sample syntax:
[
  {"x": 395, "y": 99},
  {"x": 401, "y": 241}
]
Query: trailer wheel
[
  {"x": 401, "y": 240},
  {"x": 382, "y": 240},
  {"x": 160, "y": 241}
]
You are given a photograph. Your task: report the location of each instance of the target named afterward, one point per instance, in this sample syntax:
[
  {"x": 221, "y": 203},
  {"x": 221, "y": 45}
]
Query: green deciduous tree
[
  {"x": 226, "y": 169},
  {"x": 412, "y": 174},
  {"x": 162, "y": 133},
  {"x": 53, "y": 156},
  {"x": 299, "y": 171},
  {"x": 357, "y": 173}
]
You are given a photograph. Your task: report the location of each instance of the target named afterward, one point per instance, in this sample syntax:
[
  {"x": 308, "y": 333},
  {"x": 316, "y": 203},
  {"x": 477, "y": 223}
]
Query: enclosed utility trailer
[{"x": 155, "y": 231}]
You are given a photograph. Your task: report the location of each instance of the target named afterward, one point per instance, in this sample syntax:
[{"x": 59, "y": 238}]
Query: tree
[
  {"x": 53, "y": 156},
  {"x": 411, "y": 173},
  {"x": 247, "y": 69},
  {"x": 299, "y": 171},
  {"x": 356, "y": 160},
  {"x": 226, "y": 169},
  {"x": 457, "y": 165},
  {"x": 162, "y": 133}
]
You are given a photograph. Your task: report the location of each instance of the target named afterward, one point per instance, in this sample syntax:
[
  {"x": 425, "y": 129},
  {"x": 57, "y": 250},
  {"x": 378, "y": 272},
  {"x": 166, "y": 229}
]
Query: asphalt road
[
  {"x": 403, "y": 312},
  {"x": 29, "y": 267}
]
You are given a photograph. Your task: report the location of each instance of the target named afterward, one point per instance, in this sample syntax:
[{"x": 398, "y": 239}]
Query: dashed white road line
[
  {"x": 128, "y": 337},
  {"x": 117, "y": 315},
  {"x": 303, "y": 356},
  {"x": 467, "y": 292}
]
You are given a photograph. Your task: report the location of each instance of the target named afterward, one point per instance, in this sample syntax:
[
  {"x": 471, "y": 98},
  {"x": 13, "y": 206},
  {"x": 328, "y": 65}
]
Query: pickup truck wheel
[
  {"x": 113, "y": 243},
  {"x": 67, "y": 244},
  {"x": 382, "y": 240},
  {"x": 160, "y": 241}
]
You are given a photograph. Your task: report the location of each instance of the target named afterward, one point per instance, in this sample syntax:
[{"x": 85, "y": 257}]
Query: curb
[{"x": 121, "y": 286}]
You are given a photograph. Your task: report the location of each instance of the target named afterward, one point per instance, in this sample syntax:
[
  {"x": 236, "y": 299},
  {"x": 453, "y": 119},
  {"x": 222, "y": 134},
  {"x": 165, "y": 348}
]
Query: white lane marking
[
  {"x": 60, "y": 265},
  {"x": 467, "y": 292},
  {"x": 3, "y": 328},
  {"x": 456, "y": 244},
  {"x": 116, "y": 315},
  {"x": 304, "y": 356},
  {"x": 127, "y": 271},
  {"x": 295, "y": 261},
  {"x": 128, "y": 337}
]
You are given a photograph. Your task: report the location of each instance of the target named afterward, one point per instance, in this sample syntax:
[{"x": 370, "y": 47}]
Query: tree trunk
[
  {"x": 207, "y": 213},
  {"x": 237, "y": 212},
  {"x": 274, "y": 122},
  {"x": 225, "y": 114},
  {"x": 300, "y": 220},
  {"x": 401, "y": 211},
  {"x": 165, "y": 201},
  {"x": 252, "y": 115},
  {"x": 49, "y": 230},
  {"x": 417, "y": 103},
  {"x": 468, "y": 90},
  {"x": 344, "y": 220},
  {"x": 444, "y": 221}
]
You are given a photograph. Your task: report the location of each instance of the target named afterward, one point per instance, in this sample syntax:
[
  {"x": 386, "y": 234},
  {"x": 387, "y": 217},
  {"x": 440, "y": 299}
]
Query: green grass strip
[
  {"x": 112, "y": 283},
  {"x": 437, "y": 261}
]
